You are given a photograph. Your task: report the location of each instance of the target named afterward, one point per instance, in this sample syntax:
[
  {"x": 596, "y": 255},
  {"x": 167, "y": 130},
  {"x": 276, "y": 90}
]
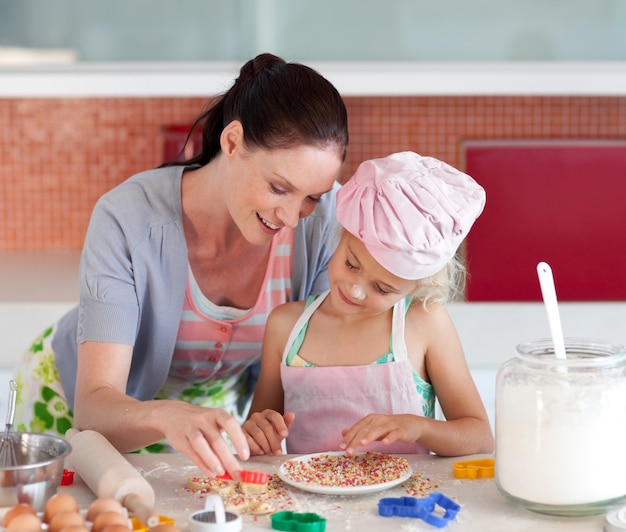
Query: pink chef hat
[{"x": 411, "y": 212}]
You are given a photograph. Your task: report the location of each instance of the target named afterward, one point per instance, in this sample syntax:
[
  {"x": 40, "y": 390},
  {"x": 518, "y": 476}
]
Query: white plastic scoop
[{"x": 548, "y": 292}]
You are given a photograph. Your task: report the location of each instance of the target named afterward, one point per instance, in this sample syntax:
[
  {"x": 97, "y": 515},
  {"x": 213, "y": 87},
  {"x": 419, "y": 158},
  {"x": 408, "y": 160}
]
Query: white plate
[{"x": 338, "y": 490}]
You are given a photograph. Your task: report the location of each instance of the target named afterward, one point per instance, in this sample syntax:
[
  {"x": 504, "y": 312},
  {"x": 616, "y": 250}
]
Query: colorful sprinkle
[
  {"x": 275, "y": 498},
  {"x": 420, "y": 486},
  {"x": 346, "y": 471}
]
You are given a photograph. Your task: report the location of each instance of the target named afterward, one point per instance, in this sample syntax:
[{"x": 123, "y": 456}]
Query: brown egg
[
  {"x": 24, "y": 523},
  {"x": 14, "y": 511},
  {"x": 104, "y": 504},
  {"x": 59, "y": 502},
  {"x": 75, "y": 528},
  {"x": 105, "y": 519},
  {"x": 116, "y": 527},
  {"x": 63, "y": 519}
]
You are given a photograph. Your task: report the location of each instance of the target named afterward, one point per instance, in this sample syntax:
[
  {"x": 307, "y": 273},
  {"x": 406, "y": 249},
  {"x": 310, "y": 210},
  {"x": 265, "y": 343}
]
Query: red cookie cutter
[
  {"x": 249, "y": 477},
  {"x": 254, "y": 477},
  {"x": 67, "y": 479}
]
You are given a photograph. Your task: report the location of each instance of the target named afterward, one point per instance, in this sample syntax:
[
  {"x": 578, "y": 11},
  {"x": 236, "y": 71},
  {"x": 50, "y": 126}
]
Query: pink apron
[{"x": 328, "y": 399}]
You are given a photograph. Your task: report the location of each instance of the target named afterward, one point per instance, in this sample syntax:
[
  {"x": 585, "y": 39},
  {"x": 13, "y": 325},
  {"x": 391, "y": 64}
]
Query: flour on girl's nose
[{"x": 357, "y": 292}]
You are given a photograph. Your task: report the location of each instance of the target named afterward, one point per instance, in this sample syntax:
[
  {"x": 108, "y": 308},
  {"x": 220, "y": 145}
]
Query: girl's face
[
  {"x": 359, "y": 284},
  {"x": 266, "y": 190}
]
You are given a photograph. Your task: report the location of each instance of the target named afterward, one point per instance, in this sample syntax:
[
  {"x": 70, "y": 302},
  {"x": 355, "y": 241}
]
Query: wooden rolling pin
[{"x": 109, "y": 474}]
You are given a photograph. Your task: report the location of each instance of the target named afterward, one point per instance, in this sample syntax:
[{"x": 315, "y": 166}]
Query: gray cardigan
[{"x": 133, "y": 274}]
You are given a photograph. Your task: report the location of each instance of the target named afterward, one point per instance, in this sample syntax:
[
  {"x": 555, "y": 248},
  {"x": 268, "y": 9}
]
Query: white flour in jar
[{"x": 558, "y": 444}]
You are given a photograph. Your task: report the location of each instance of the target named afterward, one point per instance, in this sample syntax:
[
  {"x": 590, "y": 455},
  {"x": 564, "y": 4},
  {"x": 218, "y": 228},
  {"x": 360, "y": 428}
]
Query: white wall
[
  {"x": 36, "y": 288},
  {"x": 490, "y": 332},
  {"x": 20, "y": 324}
]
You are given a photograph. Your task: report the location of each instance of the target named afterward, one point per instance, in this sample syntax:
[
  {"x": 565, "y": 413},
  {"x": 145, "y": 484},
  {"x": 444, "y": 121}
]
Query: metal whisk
[{"x": 8, "y": 457}]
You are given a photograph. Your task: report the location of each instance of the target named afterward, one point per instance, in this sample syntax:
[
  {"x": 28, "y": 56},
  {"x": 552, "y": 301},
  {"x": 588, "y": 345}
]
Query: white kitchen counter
[
  {"x": 606, "y": 78},
  {"x": 483, "y": 508}
]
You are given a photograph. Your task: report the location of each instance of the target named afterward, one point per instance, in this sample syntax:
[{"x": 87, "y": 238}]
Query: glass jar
[{"x": 561, "y": 427}]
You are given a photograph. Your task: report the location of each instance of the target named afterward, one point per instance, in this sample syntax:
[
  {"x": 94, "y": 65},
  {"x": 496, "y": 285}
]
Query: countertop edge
[{"x": 199, "y": 79}]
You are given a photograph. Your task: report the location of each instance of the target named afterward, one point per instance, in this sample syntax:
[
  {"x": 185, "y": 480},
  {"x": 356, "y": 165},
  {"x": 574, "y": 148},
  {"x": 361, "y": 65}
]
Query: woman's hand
[
  {"x": 379, "y": 427},
  {"x": 199, "y": 432},
  {"x": 266, "y": 430},
  {"x": 101, "y": 404}
]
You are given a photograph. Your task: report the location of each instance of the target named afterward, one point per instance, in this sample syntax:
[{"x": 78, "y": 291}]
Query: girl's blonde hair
[{"x": 445, "y": 285}]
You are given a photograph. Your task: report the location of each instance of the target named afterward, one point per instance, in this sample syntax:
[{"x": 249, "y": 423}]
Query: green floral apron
[{"x": 41, "y": 405}]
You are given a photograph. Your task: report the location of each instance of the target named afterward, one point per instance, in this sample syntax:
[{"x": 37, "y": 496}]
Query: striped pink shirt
[{"x": 208, "y": 348}]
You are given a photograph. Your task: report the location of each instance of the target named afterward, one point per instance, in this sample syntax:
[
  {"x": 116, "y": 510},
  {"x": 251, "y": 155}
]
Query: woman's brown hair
[{"x": 280, "y": 105}]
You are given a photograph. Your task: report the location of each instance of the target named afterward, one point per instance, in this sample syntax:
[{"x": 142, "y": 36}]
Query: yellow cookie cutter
[{"x": 472, "y": 469}]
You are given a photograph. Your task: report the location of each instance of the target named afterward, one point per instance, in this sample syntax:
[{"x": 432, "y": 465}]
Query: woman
[{"x": 181, "y": 266}]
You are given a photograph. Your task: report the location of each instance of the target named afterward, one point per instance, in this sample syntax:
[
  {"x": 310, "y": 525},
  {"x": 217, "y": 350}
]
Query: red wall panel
[{"x": 562, "y": 202}]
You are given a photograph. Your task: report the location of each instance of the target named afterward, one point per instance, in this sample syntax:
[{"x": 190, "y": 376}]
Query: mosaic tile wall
[{"x": 57, "y": 156}]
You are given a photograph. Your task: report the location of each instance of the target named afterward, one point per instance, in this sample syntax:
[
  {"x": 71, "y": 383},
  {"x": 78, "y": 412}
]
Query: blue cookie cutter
[
  {"x": 298, "y": 522},
  {"x": 421, "y": 508}
]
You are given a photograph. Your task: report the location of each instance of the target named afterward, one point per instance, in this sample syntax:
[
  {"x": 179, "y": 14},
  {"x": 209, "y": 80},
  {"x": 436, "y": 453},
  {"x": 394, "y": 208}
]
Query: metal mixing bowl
[{"x": 40, "y": 459}]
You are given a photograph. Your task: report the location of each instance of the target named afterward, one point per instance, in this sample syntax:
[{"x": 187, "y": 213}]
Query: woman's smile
[{"x": 269, "y": 225}]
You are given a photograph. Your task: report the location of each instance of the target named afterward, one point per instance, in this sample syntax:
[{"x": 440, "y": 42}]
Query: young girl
[{"x": 358, "y": 367}]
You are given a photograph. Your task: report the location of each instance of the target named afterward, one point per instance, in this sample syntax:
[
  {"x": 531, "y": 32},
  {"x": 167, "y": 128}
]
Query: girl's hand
[
  {"x": 266, "y": 430},
  {"x": 379, "y": 427}
]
